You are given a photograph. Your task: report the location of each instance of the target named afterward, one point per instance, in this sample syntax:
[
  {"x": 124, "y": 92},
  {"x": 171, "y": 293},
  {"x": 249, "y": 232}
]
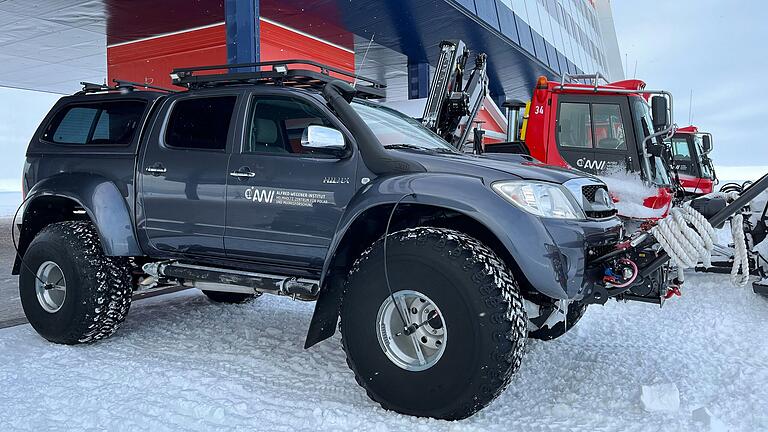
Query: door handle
[
  {"x": 243, "y": 173},
  {"x": 156, "y": 169}
]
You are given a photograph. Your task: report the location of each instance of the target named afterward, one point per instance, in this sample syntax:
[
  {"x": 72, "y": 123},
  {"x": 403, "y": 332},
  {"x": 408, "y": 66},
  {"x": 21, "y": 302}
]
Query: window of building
[
  {"x": 105, "y": 123},
  {"x": 200, "y": 123}
]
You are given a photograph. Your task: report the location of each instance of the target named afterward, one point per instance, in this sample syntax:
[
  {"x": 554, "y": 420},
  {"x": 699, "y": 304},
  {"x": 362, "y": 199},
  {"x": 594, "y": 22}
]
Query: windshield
[
  {"x": 654, "y": 167},
  {"x": 396, "y": 130}
]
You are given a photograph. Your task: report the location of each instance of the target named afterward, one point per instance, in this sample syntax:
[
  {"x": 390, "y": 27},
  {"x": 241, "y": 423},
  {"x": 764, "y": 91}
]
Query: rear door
[
  {"x": 183, "y": 174},
  {"x": 283, "y": 200},
  {"x": 594, "y": 134}
]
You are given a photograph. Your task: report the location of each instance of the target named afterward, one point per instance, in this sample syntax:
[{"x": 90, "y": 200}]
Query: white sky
[{"x": 715, "y": 48}]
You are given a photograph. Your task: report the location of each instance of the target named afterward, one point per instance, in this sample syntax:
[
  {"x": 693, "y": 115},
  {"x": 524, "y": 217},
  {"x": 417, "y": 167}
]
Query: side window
[
  {"x": 609, "y": 127},
  {"x": 574, "y": 125},
  {"x": 278, "y": 123},
  {"x": 106, "y": 123},
  {"x": 200, "y": 123}
]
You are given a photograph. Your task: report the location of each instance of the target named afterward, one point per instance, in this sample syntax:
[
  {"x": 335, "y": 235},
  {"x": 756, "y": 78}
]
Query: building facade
[{"x": 395, "y": 41}]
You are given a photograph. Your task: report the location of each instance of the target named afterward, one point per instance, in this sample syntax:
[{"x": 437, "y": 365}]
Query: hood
[{"x": 496, "y": 166}]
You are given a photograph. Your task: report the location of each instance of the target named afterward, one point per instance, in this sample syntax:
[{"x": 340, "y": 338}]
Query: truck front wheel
[
  {"x": 71, "y": 293},
  {"x": 448, "y": 339}
]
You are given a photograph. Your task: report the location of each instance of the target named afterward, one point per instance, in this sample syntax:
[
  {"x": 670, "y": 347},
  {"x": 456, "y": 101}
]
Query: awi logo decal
[
  {"x": 591, "y": 164},
  {"x": 260, "y": 195}
]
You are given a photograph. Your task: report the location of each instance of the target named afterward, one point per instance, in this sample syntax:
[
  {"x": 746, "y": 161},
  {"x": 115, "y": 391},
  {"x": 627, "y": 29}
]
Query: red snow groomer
[
  {"x": 603, "y": 128},
  {"x": 690, "y": 159}
]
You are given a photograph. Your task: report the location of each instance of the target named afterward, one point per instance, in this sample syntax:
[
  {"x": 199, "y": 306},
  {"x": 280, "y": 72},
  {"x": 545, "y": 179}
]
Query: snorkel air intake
[{"x": 380, "y": 161}]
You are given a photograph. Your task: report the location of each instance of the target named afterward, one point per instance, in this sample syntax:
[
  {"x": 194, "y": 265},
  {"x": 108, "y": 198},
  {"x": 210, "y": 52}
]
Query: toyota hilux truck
[{"x": 284, "y": 178}]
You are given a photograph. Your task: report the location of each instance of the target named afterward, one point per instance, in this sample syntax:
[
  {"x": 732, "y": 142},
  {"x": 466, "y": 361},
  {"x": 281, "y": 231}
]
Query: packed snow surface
[{"x": 184, "y": 363}]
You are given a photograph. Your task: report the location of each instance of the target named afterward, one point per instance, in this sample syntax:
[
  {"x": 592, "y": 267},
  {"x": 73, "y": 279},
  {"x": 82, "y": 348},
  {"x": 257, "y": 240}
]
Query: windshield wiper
[{"x": 401, "y": 146}]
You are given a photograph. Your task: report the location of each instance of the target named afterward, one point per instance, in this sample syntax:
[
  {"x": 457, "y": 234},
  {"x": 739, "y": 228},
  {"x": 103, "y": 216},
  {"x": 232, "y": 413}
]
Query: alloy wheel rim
[
  {"x": 50, "y": 286},
  {"x": 424, "y": 347}
]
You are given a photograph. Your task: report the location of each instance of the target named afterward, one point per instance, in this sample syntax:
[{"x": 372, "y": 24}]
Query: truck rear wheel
[
  {"x": 466, "y": 316},
  {"x": 71, "y": 293}
]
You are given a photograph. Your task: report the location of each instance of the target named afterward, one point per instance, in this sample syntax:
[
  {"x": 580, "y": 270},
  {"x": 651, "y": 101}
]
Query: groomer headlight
[{"x": 539, "y": 198}]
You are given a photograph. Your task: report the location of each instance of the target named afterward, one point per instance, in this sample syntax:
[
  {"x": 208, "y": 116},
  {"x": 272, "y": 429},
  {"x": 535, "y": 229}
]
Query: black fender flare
[
  {"x": 102, "y": 201},
  {"x": 512, "y": 227}
]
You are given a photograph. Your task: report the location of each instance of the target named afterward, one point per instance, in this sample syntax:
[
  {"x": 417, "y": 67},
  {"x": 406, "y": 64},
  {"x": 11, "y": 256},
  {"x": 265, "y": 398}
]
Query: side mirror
[
  {"x": 322, "y": 138},
  {"x": 706, "y": 143},
  {"x": 660, "y": 113}
]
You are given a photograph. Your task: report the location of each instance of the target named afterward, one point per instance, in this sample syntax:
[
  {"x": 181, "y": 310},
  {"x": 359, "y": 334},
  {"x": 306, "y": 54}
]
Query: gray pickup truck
[{"x": 275, "y": 179}]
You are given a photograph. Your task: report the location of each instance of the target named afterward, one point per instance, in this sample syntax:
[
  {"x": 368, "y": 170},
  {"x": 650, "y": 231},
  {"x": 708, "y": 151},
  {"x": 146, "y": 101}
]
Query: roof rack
[
  {"x": 121, "y": 86},
  {"x": 278, "y": 74},
  {"x": 595, "y": 78}
]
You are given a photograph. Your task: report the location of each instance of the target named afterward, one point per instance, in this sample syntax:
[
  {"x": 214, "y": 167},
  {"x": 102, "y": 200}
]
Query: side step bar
[{"x": 227, "y": 280}]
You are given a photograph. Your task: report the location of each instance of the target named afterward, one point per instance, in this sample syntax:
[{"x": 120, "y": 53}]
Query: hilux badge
[{"x": 336, "y": 180}]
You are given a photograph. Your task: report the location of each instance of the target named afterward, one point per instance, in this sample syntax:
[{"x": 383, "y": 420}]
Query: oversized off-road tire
[
  {"x": 576, "y": 310},
  {"x": 81, "y": 295},
  {"x": 472, "y": 315},
  {"x": 228, "y": 297}
]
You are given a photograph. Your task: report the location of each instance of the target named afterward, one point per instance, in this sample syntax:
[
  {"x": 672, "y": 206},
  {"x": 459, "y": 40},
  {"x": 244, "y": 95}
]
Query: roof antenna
[
  {"x": 635, "y": 75},
  {"x": 362, "y": 63},
  {"x": 626, "y": 64},
  {"x": 690, "y": 108}
]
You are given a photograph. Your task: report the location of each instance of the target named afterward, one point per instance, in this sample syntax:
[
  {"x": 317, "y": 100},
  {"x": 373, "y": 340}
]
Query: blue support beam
[
  {"x": 418, "y": 80},
  {"x": 242, "y": 23}
]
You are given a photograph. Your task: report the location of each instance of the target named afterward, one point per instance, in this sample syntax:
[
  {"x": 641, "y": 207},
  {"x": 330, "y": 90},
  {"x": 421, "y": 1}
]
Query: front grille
[
  {"x": 594, "y": 209},
  {"x": 590, "y": 191},
  {"x": 600, "y": 214}
]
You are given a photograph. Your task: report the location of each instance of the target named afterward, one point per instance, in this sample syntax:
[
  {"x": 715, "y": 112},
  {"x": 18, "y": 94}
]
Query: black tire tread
[
  {"x": 110, "y": 297},
  {"x": 511, "y": 319}
]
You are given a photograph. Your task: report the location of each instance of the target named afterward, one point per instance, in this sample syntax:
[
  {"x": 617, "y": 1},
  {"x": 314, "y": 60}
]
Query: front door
[
  {"x": 594, "y": 134},
  {"x": 183, "y": 174},
  {"x": 284, "y": 201}
]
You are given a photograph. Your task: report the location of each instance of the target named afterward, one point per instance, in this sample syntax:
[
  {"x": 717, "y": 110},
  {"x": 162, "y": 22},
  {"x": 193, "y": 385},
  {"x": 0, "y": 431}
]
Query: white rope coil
[{"x": 688, "y": 238}]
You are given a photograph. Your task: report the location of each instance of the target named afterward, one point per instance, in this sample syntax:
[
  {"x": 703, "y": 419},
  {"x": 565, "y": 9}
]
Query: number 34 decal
[{"x": 539, "y": 109}]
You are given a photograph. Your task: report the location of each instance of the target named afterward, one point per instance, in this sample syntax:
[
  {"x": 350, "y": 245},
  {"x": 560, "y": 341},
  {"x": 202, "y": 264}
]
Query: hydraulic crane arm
[{"x": 451, "y": 105}]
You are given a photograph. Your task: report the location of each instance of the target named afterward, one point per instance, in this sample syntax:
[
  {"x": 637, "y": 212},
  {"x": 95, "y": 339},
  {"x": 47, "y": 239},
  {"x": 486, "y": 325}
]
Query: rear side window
[
  {"x": 105, "y": 123},
  {"x": 200, "y": 123}
]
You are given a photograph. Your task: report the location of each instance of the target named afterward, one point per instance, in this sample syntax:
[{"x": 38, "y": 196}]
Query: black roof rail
[
  {"x": 121, "y": 86},
  {"x": 137, "y": 85},
  {"x": 278, "y": 74}
]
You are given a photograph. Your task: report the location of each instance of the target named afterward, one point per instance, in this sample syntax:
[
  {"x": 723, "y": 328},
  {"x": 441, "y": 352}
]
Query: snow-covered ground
[{"x": 183, "y": 363}]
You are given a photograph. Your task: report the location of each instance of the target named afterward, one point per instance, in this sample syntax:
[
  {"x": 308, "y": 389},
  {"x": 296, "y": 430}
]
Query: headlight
[{"x": 542, "y": 199}]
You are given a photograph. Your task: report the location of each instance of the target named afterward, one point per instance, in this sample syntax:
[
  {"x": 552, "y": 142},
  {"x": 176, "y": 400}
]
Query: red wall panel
[
  {"x": 151, "y": 60},
  {"x": 278, "y": 43}
]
